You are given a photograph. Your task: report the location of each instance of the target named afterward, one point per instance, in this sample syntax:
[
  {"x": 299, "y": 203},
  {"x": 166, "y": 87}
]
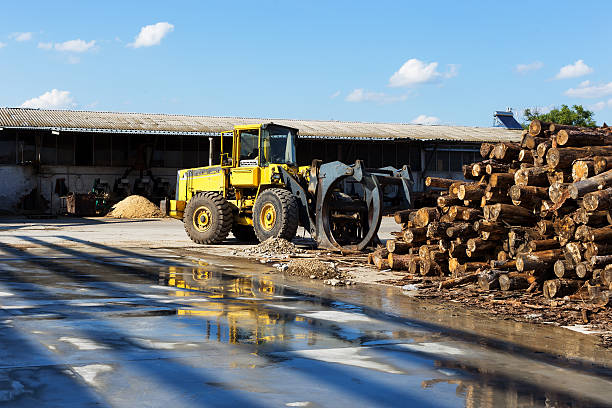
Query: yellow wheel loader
[{"x": 258, "y": 192}]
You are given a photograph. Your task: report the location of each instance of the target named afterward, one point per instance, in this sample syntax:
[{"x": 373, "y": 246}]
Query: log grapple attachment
[{"x": 342, "y": 205}]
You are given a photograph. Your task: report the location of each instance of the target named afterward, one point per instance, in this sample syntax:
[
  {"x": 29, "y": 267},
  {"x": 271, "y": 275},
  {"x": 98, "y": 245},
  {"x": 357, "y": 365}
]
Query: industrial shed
[{"x": 44, "y": 153}]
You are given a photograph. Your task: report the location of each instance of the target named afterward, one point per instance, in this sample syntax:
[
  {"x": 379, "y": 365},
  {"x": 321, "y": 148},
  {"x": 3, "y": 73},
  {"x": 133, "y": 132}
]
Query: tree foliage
[{"x": 576, "y": 115}]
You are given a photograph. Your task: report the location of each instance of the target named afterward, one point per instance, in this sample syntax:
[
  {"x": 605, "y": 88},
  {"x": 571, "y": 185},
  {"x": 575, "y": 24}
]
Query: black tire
[
  {"x": 285, "y": 209},
  {"x": 244, "y": 233},
  {"x": 208, "y": 218}
]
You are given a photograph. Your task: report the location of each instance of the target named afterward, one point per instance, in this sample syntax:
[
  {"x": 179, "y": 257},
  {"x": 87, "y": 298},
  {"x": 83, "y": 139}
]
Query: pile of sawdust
[
  {"x": 135, "y": 206},
  {"x": 273, "y": 247},
  {"x": 313, "y": 269}
]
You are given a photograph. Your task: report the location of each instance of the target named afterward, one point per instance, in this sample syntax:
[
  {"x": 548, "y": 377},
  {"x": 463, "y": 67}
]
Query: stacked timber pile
[{"x": 533, "y": 216}]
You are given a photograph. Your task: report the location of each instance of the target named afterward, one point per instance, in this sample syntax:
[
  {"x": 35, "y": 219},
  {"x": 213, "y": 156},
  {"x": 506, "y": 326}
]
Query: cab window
[{"x": 249, "y": 147}]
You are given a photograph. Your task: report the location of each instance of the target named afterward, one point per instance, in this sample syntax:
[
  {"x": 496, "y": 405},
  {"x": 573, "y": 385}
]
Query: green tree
[{"x": 576, "y": 115}]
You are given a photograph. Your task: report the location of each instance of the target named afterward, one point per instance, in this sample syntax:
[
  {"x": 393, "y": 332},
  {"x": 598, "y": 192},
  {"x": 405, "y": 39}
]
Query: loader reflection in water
[{"x": 230, "y": 322}]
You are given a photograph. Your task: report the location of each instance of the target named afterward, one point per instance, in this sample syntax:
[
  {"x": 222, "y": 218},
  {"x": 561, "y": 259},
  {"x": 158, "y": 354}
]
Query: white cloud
[
  {"x": 77, "y": 45},
  {"x": 425, "y": 120},
  {"x": 415, "y": 72},
  {"x": 587, "y": 90},
  {"x": 598, "y": 106},
  {"x": 577, "y": 69},
  {"x": 151, "y": 35},
  {"x": 20, "y": 37},
  {"x": 54, "y": 99},
  {"x": 335, "y": 95},
  {"x": 360, "y": 95},
  {"x": 601, "y": 105},
  {"x": 2, "y": 45},
  {"x": 524, "y": 68}
]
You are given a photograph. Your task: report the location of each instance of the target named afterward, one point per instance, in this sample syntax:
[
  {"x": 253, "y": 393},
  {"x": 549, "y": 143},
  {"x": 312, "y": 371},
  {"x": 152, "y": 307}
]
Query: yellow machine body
[{"x": 238, "y": 179}]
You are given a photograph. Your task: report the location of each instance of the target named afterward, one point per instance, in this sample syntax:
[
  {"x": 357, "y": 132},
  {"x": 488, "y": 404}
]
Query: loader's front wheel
[
  {"x": 208, "y": 218},
  {"x": 275, "y": 214}
]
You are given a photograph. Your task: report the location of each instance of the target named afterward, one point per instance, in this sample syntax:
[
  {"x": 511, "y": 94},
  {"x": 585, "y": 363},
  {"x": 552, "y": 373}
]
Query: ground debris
[
  {"x": 272, "y": 247},
  {"x": 135, "y": 206},
  {"x": 316, "y": 269}
]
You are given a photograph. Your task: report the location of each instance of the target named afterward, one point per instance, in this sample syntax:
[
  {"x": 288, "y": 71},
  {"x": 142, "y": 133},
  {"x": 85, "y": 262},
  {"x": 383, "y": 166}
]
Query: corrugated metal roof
[{"x": 203, "y": 125}]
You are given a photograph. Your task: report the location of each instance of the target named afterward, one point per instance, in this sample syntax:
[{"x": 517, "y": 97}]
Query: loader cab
[{"x": 262, "y": 145}]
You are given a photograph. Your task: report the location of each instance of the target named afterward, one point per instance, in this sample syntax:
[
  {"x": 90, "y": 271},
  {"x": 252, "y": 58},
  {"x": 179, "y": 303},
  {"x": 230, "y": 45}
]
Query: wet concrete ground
[{"x": 90, "y": 324}]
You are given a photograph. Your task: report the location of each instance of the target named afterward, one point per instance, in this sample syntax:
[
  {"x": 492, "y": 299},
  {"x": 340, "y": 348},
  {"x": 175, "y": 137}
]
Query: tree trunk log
[
  {"x": 500, "y": 180},
  {"x": 537, "y": 261},
  {"x": 583, "y": 169},
  {"x": 580, "y": 188},
  {"x": 426, "y": 215},
  {"x": 560, "y": 287},
  {"x": 602, "y": 163},
  {"x": 533, "y": 176},
  {"x": 565, "y": 269},
  {"x": 415, "y": 235},
  {"x": 514, "y": 281},
  {"x": 398, "y": 247},
  {"x": 598, "y": 200},
  {"x": 561, "y": 158},
  {"x": 537, "y": 127},
  {"x": 579, "y": 138},
  {"x": 541, "y": 245},
  {"x": 439, "y": 182},
  {"x": 399, "y": 262}
]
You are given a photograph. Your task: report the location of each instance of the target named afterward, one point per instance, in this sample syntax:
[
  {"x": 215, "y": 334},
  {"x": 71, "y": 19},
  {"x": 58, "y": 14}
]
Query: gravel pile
[
  {"x": 135, "y": 206},
  {"x": 273, "y": 247}
]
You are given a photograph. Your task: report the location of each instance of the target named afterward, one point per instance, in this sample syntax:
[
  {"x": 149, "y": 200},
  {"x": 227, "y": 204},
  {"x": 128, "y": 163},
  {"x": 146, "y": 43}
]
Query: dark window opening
[{"x": 83, "y": 150}]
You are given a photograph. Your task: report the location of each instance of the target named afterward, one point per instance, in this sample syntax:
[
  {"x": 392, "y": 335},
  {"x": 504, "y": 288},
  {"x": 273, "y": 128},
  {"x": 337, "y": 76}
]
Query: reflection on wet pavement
[{"x": 116, "y": 327}]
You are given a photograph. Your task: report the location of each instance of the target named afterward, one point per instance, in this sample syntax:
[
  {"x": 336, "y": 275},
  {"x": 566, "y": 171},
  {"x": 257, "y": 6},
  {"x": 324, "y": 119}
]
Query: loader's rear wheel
[
  {"x": 275, "y": 214},
  {"x": 208, "y": 218},
  {"x": 244, "y": 233}
]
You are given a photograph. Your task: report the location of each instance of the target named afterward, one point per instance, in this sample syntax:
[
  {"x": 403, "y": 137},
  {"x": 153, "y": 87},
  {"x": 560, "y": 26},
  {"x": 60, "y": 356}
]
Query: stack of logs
[{"x": 533, "y": 216}]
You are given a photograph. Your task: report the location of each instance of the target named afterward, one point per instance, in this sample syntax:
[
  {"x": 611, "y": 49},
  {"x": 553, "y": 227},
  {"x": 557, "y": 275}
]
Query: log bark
[
  {"x": 602, "y": 163},
  {"x": 592, "y": 249},
  {"x": 485, "y": 149},
  {"x": 499, "y": 180},
  {"x": 488, "y": 226},
  {"x": 579, "y": 138},
  {"x": 438, "y": 182},
  {"x": 403, "y": 216},
  {"x": 415, "y": 235},
  {"x": 592, "y": 219},
  {"x": 525, "y": 156},
  {"x": 520, "y": 193},
  {"x": 399, "y": 262},
  {"x": 541, "y": 245},
  {"x": 489, "y": 279},
  {"x": 459, "y": 229},
  {"x": 531, "y": 142},
  {"x": 537, "y": 127},
  {"x": 472, "y": 191},
  {"x": 503, "y": 264},
  {"x": 514, "y": 281},
  {"x": 462, "y": 280},
  {"x": 584, "y": 270},
  {"x": 560, "y": 287},
  {"x": 537, "y": 261},
  {"x": 448, "y": 200},
  {"x": 533, "y": 176},
  {"x": 426, "y": 215},
  {"x": 510, "y": 214},
  {"x": 598, "y": 182},
  {"x": 598, "y": 200},
  {"x": 496, "y": 167},
  {"x": 395, "y": 246},
  {"x": 506, "y": 151},
  {"x": 564, "y": 269},
  {"x": 600, "y": 261},
  {"x": 561, "y": 158},
  {"x": 545, "y": 227}
]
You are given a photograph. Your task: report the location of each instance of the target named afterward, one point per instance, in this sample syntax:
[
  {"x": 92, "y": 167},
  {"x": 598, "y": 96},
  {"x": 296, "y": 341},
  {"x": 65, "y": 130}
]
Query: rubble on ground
[
  {"x": 135, "y": 206},
  {"x": 271, "y": 248},
  {"x": 315, "y": 269}
]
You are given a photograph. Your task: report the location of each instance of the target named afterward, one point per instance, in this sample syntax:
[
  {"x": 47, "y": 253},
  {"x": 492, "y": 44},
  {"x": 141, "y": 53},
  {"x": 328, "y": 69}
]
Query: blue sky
[{"x": 448, "y": 62}]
